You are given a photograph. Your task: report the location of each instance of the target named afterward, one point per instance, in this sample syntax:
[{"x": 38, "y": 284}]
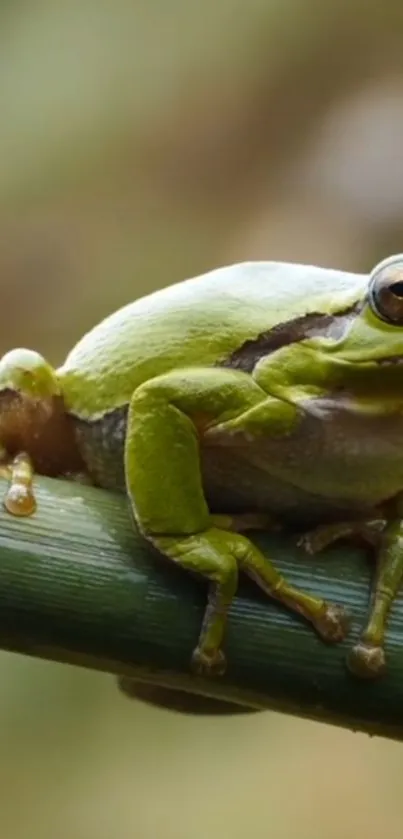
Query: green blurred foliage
[{"x": 141, "y": 143}]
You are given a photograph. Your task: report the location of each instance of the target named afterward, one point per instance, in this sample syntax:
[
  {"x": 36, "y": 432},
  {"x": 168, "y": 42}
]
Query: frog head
[{"x": 375, "y": 336}]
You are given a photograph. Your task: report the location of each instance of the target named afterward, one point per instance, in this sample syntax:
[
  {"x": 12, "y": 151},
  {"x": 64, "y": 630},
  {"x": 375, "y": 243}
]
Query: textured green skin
[
  {"x": 312, "y": 434},
  {"x": 197, "y": 322},
  {"x": 264, "y": 430}
]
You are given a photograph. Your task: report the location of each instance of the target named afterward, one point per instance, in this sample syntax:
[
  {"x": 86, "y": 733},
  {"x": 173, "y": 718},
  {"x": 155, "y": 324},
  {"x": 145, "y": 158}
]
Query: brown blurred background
[{"x": 140, "y": 143}]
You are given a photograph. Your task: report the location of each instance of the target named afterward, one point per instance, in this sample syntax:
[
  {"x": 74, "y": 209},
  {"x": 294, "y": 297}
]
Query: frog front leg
[
  {"x": 367, "y": 658},
  {"x": 168, "y": 417}
]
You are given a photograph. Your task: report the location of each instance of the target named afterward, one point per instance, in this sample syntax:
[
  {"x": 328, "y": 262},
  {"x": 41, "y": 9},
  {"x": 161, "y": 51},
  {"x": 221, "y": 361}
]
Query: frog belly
[{"x": 338, "y": 463}]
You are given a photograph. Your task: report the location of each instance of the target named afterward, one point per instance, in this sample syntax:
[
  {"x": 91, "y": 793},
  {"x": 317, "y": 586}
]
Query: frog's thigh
[
  {"x": 165, "y": 487},
  {"x": 167, "y": 416}
]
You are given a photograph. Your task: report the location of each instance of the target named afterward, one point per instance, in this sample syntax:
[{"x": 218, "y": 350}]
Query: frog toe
[
  {"x": 333, "y": 624},
  {"x": 208, "y": 663},
  {"x": 367, "y": 661}
]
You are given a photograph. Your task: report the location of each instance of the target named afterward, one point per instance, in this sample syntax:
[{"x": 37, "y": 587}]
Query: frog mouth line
[
  {"x": 312, "y": 325},
  {"x": 390, "y": 361}
]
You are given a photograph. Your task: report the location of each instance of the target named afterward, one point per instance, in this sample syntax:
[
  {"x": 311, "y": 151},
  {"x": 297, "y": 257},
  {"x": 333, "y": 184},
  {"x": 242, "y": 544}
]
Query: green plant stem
[{"x": 79, "y": 585}]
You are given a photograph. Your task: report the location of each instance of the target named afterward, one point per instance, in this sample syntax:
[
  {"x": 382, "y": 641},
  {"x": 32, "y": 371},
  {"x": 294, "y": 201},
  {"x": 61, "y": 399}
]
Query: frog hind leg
[
  {"x": 166, "y": 418},
  {"x": 367, "y": 658}
]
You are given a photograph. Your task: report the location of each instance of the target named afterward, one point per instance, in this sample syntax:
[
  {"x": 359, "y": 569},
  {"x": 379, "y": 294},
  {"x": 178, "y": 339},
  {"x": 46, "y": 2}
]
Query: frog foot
[
  {"x": 208, "y": 664},
  {"x": 334, "y": 623},
  {"x": 20, "y": 499},
  {"x": 366, "y": 660}
]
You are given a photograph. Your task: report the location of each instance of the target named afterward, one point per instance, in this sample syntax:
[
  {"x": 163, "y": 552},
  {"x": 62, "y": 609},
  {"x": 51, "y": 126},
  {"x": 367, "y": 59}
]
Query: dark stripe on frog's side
[
  {"x": 314, "y": 325},
  {"x": 101, "y": 441}
]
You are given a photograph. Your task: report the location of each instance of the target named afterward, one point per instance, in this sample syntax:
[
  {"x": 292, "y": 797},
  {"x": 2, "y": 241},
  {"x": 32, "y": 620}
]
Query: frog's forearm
[{"x": 77, "y": 586}]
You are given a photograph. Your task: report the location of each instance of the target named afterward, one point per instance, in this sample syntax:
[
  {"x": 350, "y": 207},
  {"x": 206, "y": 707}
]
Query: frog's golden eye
[{"x": 385, "y": 291}]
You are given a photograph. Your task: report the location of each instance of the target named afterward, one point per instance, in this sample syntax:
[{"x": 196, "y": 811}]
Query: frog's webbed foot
[
  {"x": 217, "y": 554},
  {"x": 366, "y": 660},
  {"x": 208, "y": 664},
  {"x": 334, "y": 624},
  {"x": 19, "y": 499}
]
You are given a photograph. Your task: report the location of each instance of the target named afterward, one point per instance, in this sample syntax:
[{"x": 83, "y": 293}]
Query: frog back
[{"x": 200, "y": 321}]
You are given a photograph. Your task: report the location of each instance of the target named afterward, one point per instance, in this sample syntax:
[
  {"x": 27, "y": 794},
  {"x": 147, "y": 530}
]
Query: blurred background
[{"x": 141, "y": 143}]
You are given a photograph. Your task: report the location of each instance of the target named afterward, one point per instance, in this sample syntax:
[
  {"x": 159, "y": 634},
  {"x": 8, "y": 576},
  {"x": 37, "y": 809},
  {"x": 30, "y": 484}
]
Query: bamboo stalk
[{"x": 79, "y": 585}]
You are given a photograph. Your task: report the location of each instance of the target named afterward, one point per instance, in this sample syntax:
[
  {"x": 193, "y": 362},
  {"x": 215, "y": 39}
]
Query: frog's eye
[{"x": 385, "y": 291}]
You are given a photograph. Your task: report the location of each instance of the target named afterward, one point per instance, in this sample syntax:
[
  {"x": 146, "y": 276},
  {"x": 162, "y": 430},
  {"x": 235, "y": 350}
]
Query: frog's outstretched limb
[
  {"x": 367, "y": 657},
  {"x": 167, "y": 417}
]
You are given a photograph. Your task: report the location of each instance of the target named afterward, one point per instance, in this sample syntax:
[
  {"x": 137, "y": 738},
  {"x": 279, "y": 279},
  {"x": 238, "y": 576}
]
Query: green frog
[{"x": 258, "y": 394}]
